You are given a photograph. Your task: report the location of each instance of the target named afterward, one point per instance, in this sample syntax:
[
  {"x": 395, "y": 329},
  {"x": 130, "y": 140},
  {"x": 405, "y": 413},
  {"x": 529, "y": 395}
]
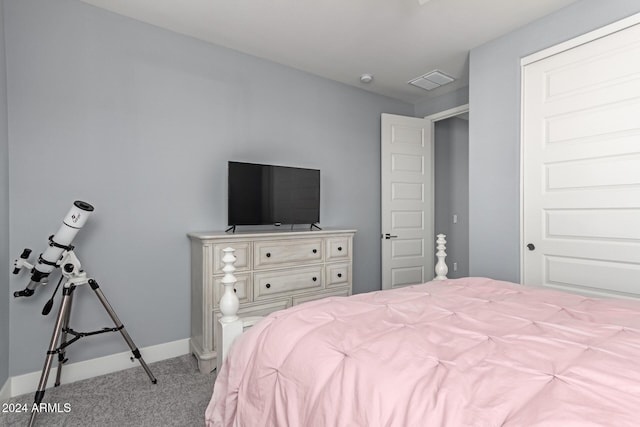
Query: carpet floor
[{"x": 125, "y": 398}]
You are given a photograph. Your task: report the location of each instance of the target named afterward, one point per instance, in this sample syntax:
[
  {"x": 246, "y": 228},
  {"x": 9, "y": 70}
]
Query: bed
[{"x": 464, "y": 352}]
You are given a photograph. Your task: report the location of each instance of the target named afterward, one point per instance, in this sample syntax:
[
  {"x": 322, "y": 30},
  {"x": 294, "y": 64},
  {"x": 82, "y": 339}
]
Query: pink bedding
[{"x": 465, "y": 352}]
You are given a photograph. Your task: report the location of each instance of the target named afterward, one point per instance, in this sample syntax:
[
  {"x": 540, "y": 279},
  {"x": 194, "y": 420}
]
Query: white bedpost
[
  {"x": 230, "y": 323},
  {"x": 441, "y": 266}
]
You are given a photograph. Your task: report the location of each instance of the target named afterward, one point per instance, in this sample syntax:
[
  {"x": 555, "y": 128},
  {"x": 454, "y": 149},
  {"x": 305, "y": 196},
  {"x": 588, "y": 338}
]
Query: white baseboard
[
  {"x": 5, "y": 391},
  {"x": 72, "y": 372}
]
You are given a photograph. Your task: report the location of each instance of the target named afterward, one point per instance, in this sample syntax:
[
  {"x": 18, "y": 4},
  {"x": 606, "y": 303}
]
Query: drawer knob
[
  {"x": 314, "y": 278},
  {"x": 339, "y": 275},
  {"x": 235, "y": 290},
  {"x": 340, "y": 248},
  {"x": 268, "y": 254},
  {"x": 315, "y": 251},
  {"x": 268, "y": 285}
]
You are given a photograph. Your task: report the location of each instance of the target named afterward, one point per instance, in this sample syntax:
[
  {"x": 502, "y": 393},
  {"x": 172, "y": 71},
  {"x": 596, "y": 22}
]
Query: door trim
[
  {"x": 538, "y": 56},
  {"x": 446, "y": 114}
]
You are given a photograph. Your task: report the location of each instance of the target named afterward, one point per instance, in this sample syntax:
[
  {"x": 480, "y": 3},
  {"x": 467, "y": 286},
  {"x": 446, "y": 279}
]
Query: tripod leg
[
  {"x": 61, "y": 353},
  {"x": 42, "y": 385},
  {"x": 120, "y": 326}
]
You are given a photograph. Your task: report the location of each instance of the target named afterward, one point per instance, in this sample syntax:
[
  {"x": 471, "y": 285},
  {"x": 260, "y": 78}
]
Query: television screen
[{"x": 267, "y": 194}]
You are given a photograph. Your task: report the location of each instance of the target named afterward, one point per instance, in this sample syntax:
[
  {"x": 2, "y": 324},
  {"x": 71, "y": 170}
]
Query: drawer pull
[
  {"x": 268, "y": 254},
  {"x": 314, "y": 251},
  {"x": 340, "y": 248},
  {"x": 314, "y": 278},
  {"x": 235, "y": 290},
  {"x": 339, "y": 275},
  {"x": 268, "y": 285}
]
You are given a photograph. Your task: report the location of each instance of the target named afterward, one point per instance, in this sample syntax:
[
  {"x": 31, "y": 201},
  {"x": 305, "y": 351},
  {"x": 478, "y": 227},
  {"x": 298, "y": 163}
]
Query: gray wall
[
  {"x": 494, "y": 145},
  {"x": 451, "y": 153},
  {"x": 141, "y": 122},
  {"x": 4, "y": 213}
]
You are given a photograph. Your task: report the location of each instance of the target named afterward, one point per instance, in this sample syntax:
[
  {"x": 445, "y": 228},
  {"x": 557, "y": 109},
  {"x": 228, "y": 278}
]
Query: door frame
[
  {"x": 446, "y": 114},
  {"x": 542, "y": 54}
]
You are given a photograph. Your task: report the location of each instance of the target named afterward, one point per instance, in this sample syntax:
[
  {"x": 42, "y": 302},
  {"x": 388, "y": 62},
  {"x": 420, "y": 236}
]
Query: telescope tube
[{"x": 58, "y": 243}]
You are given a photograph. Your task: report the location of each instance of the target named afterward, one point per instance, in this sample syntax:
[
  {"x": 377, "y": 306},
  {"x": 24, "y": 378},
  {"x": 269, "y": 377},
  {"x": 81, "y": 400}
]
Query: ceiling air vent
[{"x": 432, "y": 80}]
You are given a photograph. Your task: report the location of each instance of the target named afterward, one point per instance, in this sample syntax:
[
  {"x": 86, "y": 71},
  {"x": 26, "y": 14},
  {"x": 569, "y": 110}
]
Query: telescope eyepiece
[
  {"x": 83, "y": 205},
  {"x": 24, "y": 255}
]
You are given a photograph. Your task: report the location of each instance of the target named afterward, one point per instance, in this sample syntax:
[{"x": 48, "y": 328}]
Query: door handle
[
  {"x": 389, "y": 236},
  {"x": 531, "y": 247}
]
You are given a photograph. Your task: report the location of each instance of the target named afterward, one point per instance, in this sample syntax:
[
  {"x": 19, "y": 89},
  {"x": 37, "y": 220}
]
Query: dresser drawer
[
  {"x": 338, "y": 248},
  {"x": 242, "y": 254},
  {"x": 274, "y": 283},
  {"x": 338, "y": 274},
  {"x": 242, "y": 287},
  {"x": 285, "y": 252},
  {"x": 259, "y": 309},
  {"x": 307, "y": 298}
]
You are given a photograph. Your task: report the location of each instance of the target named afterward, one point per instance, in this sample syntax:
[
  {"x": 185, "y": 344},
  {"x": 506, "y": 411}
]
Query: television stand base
[
  {"x": 231, "y": 229},
  {"x": 315, "y": 225}
]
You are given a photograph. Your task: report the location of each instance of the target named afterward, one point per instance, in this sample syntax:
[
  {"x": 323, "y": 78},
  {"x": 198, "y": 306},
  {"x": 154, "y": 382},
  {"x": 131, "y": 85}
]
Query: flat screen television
[{"x": 268, "y": 194}]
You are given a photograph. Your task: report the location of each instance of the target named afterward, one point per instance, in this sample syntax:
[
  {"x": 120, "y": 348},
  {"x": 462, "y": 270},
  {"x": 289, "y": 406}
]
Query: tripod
[{"x": 75, "y": 277}]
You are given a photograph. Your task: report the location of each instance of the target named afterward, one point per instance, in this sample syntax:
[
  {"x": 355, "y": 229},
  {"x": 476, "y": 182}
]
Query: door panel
[{"x": 407, "y": 201}]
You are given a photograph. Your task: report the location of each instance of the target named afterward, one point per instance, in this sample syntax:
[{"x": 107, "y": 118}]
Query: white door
[
  {"x": 407, "y": 201},
  {"x": 581, "y": 168}
]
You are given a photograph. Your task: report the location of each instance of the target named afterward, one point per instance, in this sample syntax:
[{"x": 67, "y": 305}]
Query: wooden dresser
[{"x": 274, "y": 270}]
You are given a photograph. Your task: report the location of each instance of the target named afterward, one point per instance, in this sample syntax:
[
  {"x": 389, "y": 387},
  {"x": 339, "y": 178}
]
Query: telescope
[
  {"x": 59, "y": 243},
  {"x": 60, "y": 253}
]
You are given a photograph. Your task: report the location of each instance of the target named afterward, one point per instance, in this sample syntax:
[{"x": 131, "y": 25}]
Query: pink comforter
[{"x": 466, "y": 352}]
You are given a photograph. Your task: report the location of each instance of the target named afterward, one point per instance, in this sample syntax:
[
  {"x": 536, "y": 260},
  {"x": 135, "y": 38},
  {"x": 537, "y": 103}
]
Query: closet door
[{"x": 581, "y": 167}]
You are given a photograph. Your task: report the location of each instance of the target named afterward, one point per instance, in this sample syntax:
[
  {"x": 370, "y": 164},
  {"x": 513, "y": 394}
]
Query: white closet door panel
[
  {"x": 596, "y": 276},
  {"x": 577, "y": 73},
  {"x": 623, "y": 224}
]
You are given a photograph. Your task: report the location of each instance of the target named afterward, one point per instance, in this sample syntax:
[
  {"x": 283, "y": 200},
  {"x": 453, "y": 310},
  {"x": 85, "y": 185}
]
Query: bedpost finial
[
  {"x": 441, "y": 266},
  {"x": 229, "y": 302}
]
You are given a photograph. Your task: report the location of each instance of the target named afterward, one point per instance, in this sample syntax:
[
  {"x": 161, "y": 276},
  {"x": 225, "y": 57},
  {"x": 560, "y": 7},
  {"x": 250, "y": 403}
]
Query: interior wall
[
  {"x": 141, "y": 122},
  {"x": 494, "y": 129},
  {"x": 451, "y": 154},
  {"x": 4, "y": 213}
]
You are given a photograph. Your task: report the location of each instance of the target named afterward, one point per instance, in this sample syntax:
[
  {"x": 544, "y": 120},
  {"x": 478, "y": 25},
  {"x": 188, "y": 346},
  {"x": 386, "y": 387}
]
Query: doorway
[{"x": 451, "y": 190}]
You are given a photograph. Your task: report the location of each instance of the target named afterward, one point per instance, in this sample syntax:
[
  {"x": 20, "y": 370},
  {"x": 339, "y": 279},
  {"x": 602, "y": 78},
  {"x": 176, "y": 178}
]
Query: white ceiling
[{"x": 394, "y": 40}]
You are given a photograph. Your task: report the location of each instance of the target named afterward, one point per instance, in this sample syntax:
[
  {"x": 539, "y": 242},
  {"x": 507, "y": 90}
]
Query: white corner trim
[
  {"x": 72, "y": 372},
  {"x": 5, "y": 391}
]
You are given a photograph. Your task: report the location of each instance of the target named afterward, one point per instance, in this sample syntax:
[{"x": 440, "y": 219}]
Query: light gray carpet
[{"x": 127, "y": 398}]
